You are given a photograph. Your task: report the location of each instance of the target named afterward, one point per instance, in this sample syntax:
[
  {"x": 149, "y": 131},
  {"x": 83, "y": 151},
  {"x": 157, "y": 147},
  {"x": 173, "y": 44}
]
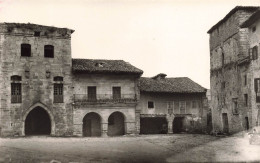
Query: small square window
[
  {"x": 37, "y": 34},
  {"x": 150, "y": 104},
  {"x": 254, "y": 29}
]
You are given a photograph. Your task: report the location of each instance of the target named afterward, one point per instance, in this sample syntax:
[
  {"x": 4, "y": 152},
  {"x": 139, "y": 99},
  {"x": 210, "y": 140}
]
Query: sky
[{"x": 157, "y": 36}]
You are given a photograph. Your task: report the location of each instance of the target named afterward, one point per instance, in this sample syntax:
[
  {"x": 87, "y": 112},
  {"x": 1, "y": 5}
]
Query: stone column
[
  {"x": 170, "y": 118},
  {"x": 104, "y": 127},
  {"x": 137, "y": 121},
  {"x": 130, "y": 127}
]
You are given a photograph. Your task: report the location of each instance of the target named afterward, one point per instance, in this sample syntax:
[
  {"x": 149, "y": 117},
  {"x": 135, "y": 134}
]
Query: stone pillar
[
  {"x": 137, "y": 121},
  {"x": 77, "y": 129},
  {"x": 170, "y": 118},
  {"x": 130, "y": 127},
  {"x": 104, "y": 127}
]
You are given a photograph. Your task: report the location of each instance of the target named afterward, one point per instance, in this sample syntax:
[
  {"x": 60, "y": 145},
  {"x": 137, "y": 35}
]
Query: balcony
[{"x": 104, "y": 98}]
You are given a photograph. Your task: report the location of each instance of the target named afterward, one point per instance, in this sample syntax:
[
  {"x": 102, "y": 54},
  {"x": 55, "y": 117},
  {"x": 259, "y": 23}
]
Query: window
[
  {"x": 245, "y": 80},
  {"x": 150, "y": 104},
  {"x": 49, "y": 51},
  {"x": 58, "y": 89},
  {"x": 116, "y": 92},
  {"x": 16, "y": 89},
  {"x": 194, "y": 104},
  {"x": 58, "y": 93},
  {"x": 254, "y": 29},
  {"x": 92, "y": 93},
  {"x": 223, "y": 59},
  {"x": 255, "y": 53},
  {"x": 246, "y": 99},
  {"x": 235, "y": 108},
  {"x": 25, "y": 50},
  {"x": 58, "y": 78},
  {"x": 37, "y": 33},
  {"x": 170, "y": 107},
  {"x": 257, "y": 89},
  {"x": 182, "y": 107}
]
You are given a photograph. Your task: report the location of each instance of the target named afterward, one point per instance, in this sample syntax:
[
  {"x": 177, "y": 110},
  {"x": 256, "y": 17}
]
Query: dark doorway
[
  {"x": 177, "y": 125},
  {"x": 92, "y": 125},
  {"x": 247, "y": 123},
  {"x": 153, "y": 125},
  {"x": 116, "y": 124},
  {"x": 225, "y": 123},
  {"x": 38, "y": 122}
]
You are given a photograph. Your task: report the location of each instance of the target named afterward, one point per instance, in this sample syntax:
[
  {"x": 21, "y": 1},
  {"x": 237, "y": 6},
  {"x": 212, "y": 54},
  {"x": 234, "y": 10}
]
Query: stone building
[
  {"x": 46, "y": 92},
  {"x": 230, "y": 72},
  {"x": 171, "y": 105},
  {"x": 253, "y": 26},
  {"x": 105, "y": 97}
]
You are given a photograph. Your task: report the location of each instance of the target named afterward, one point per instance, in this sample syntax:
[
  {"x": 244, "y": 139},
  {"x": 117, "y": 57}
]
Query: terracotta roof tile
[
  {"x": 170, "y": 85},
  {"x": 104, "y": 66}
]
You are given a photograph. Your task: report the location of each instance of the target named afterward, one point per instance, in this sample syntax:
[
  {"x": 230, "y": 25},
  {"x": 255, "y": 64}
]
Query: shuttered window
[{"x": 257, "y": 89}]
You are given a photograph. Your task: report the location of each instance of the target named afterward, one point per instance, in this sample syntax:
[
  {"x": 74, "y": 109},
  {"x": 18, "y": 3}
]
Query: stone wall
[
  {"x": 104, "y": 84},
  {"x": 228, "y": 73},
  {"x": 37, "y": 74},
  {"x": 197, "y": 116}
]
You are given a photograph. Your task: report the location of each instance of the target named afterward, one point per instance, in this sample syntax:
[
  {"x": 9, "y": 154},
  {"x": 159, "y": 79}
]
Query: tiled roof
[
  {"x": 104, "y": 66},
  {"x": 251, "y": 20},
  {"x": 170, "y": 85},
  {"x": 247, "y": 8}
]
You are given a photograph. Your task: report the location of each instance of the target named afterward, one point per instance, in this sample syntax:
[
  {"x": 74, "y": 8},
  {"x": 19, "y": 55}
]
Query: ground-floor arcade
[
  {"x": 105, "y": 121},
  {"x": 169, "y": 123}
]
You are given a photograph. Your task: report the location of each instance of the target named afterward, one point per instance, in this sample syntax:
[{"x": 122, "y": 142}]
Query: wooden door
[{"x": 225, "y": 123}]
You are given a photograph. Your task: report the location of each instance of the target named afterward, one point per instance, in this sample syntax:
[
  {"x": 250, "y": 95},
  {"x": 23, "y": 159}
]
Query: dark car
[{"x": 254, "y": 135}]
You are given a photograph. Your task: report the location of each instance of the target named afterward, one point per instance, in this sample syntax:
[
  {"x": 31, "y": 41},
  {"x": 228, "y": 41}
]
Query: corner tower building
[{"x": 35, "y": 80}]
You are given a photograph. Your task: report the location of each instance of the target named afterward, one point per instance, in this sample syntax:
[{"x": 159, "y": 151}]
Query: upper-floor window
[
  {"x": 170, "y": 107},
  {"x": 257, "y": 89},
  {"x": 49, "y": 51},
  {"x": 254, "y": 29},
  {"x": 245, "y": 79},
  {"x": 182, "y": 107},
  {"x": 223, "y": 59},
  {"x": 58, "y": 90},
  {"x": 246, "y": 99},
  {"x": 92, "y": 93},
  {"x": 25, "y": 50},
  {"x": 235, "y": 106},
  {"x": 255, "y": 53},
  {"x": 16, "y": 89},
  {"x": 150, "y": 104},
  {"x": 116, "y": 92}
]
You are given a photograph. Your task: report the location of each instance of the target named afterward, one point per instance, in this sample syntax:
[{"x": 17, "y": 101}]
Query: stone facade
[
  {"x": 43, "y": 91},
  {"x": 37, "y": 73},
  {"x": 194, "y": 118},
  {"x": 230, "y": 70}
]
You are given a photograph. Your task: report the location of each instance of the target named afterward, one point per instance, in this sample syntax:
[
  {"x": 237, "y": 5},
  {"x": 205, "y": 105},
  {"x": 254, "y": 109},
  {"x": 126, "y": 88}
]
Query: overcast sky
[{"x": 156, "y": 36}]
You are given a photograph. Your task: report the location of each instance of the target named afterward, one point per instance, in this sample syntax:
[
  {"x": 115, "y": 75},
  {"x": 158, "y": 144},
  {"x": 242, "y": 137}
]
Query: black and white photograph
[{"x": 122, "y": 81}]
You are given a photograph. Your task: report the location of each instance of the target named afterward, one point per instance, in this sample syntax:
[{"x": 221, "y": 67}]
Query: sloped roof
[
  {"x": 104, "y": 66},
  {"x": 251, "y": 20},
  {"x": 170, "y": 85},
  {"x": 247, "y": 8}
]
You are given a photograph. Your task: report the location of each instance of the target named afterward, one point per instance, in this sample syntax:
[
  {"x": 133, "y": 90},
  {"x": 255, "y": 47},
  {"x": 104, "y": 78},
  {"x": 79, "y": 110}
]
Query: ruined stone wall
[
  {"x": 227, "y": 74},
  {"x": 37, "y": 74}
]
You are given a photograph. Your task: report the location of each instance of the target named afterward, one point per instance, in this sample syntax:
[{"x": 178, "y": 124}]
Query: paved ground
[{"x": 153, "y": 148}]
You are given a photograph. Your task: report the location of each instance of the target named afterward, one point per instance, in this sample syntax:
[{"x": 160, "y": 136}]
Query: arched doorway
[
  {"x": 38, "y": 122},
  {"x": 116, "y": 124},
  {"x": 91, "y": 125}
]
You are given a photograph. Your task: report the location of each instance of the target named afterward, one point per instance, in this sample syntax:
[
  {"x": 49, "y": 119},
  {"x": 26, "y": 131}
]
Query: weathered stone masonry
[{"x": 230, "y": 71}]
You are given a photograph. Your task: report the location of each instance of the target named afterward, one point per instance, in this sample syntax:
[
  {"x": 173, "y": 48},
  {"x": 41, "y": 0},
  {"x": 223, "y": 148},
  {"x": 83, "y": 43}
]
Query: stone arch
[
  {"x": 116, "y": 124},
  {"x": 91, "y": 125},
  {"x": 44, "y": 108}
]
